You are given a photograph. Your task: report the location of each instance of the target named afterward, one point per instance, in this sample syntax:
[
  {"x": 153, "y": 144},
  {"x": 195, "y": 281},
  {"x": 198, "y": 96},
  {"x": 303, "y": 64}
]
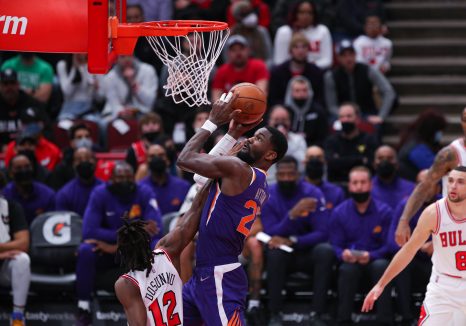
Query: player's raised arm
[
  {"x": 444, "y": 161},
  {"x": 426, "y": 225},
  {"x": 177, "y": 239}
]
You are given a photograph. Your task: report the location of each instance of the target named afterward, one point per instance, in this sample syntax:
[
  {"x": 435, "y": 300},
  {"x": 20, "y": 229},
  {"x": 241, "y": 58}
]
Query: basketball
[{"x": 251, "y": 101}]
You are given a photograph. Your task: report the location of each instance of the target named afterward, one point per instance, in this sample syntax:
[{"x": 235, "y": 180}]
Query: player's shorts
[
  {"x": 215, "y": 295},
  {"x": 445, "y": 302}
]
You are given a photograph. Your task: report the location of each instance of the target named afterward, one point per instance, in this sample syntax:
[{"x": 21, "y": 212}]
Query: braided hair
[{"x": 134, "y": 246}]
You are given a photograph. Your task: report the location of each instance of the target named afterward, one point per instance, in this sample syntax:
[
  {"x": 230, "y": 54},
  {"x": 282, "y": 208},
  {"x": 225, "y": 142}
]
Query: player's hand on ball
[
  {"x": 222, "y": 110},
  {"x": 371, "y": 297},
  {"x": 237, "y": 129}
]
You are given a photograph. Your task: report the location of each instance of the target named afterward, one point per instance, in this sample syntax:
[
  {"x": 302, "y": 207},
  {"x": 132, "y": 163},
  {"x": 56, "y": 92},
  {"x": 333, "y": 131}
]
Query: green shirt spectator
[{"x": 34, "y": 74}]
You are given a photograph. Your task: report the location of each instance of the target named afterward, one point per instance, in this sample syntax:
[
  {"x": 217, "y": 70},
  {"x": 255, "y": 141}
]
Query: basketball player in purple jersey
[{"x": 216, "y": 293}]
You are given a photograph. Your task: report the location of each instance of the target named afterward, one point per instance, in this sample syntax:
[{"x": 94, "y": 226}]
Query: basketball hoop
[{"x": 188, "y": 48}]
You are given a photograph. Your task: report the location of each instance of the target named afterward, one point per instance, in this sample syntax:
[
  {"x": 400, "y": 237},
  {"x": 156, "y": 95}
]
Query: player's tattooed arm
[{"x": 445, "y": 161}]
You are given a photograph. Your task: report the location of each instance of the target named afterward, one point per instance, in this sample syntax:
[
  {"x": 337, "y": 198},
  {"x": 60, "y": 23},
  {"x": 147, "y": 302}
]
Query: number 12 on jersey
[{"x": 172, "y": 319}]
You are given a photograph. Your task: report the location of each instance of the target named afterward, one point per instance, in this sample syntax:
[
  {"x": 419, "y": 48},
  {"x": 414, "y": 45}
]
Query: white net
[{"x": 189, "y": 59}]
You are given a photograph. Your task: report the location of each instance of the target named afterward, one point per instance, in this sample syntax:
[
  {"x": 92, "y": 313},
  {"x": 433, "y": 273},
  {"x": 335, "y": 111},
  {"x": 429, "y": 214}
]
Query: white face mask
[{"x": 250, "y": 20}]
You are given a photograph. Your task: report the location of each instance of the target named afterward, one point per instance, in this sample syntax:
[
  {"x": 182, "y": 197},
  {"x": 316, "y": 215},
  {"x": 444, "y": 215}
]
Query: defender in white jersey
[
  {"x": 151, "y": 290},
  {"x": 446, "y": 160},
  {"x": 445, "y": 220}
]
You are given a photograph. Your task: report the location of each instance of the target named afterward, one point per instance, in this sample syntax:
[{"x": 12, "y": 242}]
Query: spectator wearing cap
[
  {"x": 240, "y": 68},
  {"x": 304, "y": 19},
  {"x": 281, "y": 74},
  {"x": 35, "y": 197},
  {"x": 74, "y": 195},
  {"x": 33, "y": 121},
  {"x": 13, "y": 101},
  {"x": 170, "y": 190},
  {"x": 354, "y": 82},
  {"x": 246, "y": 23},
  {"x": 34, "y": 74},
  {"x": 373, "y": 48}
]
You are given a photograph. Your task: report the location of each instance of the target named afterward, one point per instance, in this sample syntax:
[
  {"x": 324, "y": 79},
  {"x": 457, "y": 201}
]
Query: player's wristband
[
  {"x": 209, "y": 126},
  {"x": 221, "y": 148}
]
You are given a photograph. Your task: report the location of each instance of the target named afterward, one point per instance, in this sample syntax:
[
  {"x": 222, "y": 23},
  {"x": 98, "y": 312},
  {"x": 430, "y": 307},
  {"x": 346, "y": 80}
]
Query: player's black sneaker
[
  {"x": 83, "y": 318},
  {"x": 255, "y": 317}
]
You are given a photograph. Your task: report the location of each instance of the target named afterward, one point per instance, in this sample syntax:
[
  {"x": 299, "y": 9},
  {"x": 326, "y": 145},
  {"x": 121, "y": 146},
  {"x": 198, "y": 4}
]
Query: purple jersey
[{"x": 226, "y": 221}]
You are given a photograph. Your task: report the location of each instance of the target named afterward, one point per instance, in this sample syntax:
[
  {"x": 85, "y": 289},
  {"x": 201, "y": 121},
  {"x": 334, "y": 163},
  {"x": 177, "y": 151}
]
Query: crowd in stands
[{"x": 335, "y": 198}]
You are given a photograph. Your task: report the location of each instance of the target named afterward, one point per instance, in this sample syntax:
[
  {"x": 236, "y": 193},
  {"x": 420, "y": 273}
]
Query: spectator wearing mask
[
  {"x": 279, "y": 118},
  {"x": 304, "y": 19},
  {"x": 130, "y": 89},
  {"x": 239, "y": 69},
  {"x": 349, "y": 147},
  {"x": 80, "y": 137},
  {"x": 281, "y": 74},
  {"x": 417, "y": 274},
  {"x": 246, "y": 24},
  {"x": 79, "y": 88},
  {"x": 387, "y": 186},
  {"x": 315, "y": 174},
  {"x": 296, "y": 217},
  {"x": 355, "y": 82},
  {"x": 258, "y": 7},
  {"x": 75, "y": 194},
  {"x": 13, "y": 102},
  {"x": 372, "y": 48},
  {"x": 34, "y": 197},
  {"x": 33, "y": 123},
  {"x": 360, "y": 227},
  {"x": 170, "y": 190},
  {"x": 419, "y": 143},
  {"x": 150, "y": 128},
  {"x": 108, "y": 203},
  {"x": 35, "y": 75},
  {"x": 307, "y": 116},
  {"x": 15, "y": 264}
]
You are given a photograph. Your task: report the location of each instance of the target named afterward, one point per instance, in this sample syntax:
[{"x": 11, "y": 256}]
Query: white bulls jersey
[
  {"x": 460, "y": 150},
  {"x": 161, "y": 291},
  {"x": 449, "y": 240}
]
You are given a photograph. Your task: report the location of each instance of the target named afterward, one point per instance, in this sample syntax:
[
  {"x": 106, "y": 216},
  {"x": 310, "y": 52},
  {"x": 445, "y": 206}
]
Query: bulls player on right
[{"x": 445, "y": 220}]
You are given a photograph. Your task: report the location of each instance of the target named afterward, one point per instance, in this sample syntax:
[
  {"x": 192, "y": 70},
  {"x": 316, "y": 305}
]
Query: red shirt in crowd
[
  {"x": 47, "y": 154},
  {"x": 227, "y": 76}
]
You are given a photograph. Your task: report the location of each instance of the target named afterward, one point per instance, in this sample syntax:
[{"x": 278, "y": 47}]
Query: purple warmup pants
[{"x": 87, "y": 266}]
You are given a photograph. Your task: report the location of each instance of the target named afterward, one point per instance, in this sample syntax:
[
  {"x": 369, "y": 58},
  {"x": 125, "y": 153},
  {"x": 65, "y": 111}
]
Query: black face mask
[
  {"x": 85, "y": 170},
  {"x": 385, "y": 169},
  {"x": 122, "y": 189},
  {"x": 23, "y": 176},
  {"x": 300, "y": 101},
  {"x": 348, "y": 127},
  {"x": 287, "y": 188},
  {"x": 157, "y": 165},
  {"x": 151, "y": 136},
  {"x": 360, "y": 197},
  {"x": 315, "y": 169}
]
